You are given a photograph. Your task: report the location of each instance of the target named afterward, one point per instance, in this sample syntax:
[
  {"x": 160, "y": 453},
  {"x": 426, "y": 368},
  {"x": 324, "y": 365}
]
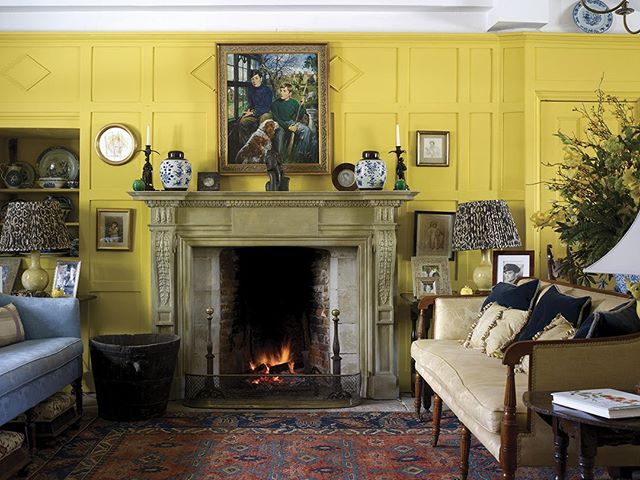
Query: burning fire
[{"x": 264, "y": 361}]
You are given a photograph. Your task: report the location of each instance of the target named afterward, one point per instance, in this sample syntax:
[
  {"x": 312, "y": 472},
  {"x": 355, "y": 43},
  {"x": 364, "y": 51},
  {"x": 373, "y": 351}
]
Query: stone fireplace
[{"x": 237, "y": 251}]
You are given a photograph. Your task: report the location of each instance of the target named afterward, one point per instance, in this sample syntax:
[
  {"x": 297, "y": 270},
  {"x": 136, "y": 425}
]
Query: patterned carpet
[{"x": 264, "y": 446}]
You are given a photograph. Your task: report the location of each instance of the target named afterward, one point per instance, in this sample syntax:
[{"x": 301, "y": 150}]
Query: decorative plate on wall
[
  {"x": 590, "y": 22},
  {"x": 116, "y": 144},
  {"x": 344, "y": 177},
  {"x": 58, "y": 162}
]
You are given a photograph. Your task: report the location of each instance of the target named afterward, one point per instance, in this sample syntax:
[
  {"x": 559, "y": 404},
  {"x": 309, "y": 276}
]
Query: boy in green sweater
[{"x": 288, "y": 112}]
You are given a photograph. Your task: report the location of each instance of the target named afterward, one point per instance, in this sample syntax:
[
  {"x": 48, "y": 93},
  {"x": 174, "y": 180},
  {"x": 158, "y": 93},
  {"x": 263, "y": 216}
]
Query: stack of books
[{"x": 603, "y": 402}]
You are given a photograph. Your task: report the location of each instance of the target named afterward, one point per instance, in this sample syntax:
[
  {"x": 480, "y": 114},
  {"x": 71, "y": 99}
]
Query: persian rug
[{"x": 264, "y": 446}]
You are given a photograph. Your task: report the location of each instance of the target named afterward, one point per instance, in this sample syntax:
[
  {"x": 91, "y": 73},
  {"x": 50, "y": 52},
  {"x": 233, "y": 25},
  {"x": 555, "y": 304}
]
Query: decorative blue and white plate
[{"x": 590, "y": 22}]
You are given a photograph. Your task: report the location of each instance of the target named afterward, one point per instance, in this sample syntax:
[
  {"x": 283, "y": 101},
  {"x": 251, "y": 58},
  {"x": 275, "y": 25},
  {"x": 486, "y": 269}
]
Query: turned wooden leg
[
  {"x": 417, "y": 401},
  {"x": 560, "y": 442},
  {"x": 587, "y": 444},
  {"x": 465, "y": 444},
  {"x": 436, "y": 416}
]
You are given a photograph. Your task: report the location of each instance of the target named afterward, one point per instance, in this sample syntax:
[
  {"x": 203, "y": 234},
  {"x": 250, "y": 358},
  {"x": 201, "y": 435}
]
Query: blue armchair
[{"x": 49, "y": 358}]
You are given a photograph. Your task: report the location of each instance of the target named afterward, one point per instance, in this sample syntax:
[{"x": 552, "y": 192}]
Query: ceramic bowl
[{"x": 52, "y": 182}]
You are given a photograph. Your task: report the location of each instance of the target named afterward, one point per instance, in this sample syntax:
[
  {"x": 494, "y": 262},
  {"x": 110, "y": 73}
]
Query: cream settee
[{"x": 486, "y": 396}]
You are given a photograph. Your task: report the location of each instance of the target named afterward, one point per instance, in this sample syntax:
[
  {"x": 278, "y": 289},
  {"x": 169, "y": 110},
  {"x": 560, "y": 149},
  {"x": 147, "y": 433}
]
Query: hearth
[{"x": 191, "y": 233}]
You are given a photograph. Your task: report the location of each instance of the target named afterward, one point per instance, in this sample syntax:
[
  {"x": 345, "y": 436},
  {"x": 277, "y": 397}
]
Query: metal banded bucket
[{"x": 133, "y": 374}]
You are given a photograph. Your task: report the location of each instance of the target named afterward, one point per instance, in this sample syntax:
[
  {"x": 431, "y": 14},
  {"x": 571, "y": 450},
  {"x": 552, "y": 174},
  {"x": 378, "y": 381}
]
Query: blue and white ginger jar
[
  {"x": 370, "y": 172},
  {"x": 175, "y": 171}
]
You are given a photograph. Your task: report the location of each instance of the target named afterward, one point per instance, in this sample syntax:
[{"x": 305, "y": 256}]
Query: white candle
[
  {"x": 397, "y": 134},
  {"x": 148, "y": 134}
]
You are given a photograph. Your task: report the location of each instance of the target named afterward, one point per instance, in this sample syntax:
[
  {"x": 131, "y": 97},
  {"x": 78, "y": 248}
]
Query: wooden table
[{"x": 589, "y": 432}]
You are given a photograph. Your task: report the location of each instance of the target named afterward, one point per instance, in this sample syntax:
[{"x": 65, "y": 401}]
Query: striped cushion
[{"x": 11, "y": 330}]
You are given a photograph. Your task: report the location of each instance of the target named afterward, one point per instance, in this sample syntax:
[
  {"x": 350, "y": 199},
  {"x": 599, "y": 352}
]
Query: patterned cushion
[
  {"x": 11, "y": 329},
  {"x": 10, "y": 442},
  {"x": 550, "y": 304},
  {"x": 558, "y": 329},
  {"x": 52, "y": 407},
  {"x": 480, "y": 328}
]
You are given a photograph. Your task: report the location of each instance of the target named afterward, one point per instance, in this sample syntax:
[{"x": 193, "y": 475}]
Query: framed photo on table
[
  {"x": 433, "y": 233},
  {"x": 511, "y": 265},
  {"x": 430, "y": 275},
  {"x": 273, "y": 96},
  {"x": 67, "y": 277},
  {"x": 432, "y": 149},
  {"x": 9, "y": 267}
]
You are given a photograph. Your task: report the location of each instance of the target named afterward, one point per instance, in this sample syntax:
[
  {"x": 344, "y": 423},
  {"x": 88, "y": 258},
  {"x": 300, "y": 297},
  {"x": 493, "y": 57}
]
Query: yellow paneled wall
[{"x": 484, "y": 89}]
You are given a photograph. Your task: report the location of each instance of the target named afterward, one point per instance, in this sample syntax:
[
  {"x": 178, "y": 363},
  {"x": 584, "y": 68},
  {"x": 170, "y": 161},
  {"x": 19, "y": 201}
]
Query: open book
[{"x": 603, "y": 402}]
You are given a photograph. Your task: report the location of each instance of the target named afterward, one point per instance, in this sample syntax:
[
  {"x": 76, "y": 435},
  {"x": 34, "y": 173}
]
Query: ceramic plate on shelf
[
  {"x": 28, "y": 174},
  {"x": 344, "y": 177},
  {"x": 58, "y": 162},
  {"x": 590, "y": 22}
]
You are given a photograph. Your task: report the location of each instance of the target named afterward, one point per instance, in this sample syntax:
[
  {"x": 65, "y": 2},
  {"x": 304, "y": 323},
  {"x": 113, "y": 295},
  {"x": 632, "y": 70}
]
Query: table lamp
[
  {"x": 484, "y": 225},
  {"x": 31, "y": 227},
  {"x": 623, "y": 258}
]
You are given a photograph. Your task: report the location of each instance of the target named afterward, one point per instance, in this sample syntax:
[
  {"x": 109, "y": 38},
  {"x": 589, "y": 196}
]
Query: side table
[{"x": 589, "y": 432}]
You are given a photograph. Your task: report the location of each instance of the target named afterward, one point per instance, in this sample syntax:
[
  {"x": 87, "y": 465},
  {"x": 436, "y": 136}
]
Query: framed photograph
[
  {"x": 426, "y": 286},
  {"x": 433, "y": 149},
  {"x": 430, "y": 275},
  {"x": 10, "y": 267},
  {"x": 67, "y": 277},
  {"x": 511, "y": 265},
  {"x": 116, "y": 144},
  {"x": 273, "y": 98},
  {"x": 114, "y": 228},
  {"x": 208, "y": 181},
  {"x": 433, "y": 233}
]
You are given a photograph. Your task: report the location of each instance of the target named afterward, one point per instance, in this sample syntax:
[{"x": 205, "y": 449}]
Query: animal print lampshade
[
  {"x": 484, "y": 225},
  {"x": 31, "y": 226}
]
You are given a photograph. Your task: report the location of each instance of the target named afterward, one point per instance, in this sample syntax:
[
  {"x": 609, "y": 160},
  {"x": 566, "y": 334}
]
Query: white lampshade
[{"x": 624, "y": 257}]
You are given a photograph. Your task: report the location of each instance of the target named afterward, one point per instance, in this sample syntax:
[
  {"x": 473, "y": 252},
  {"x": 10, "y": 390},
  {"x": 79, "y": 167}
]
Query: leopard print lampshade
[
  {"x": 34, "y": 226},
  {"x": 484, "y": 225}
]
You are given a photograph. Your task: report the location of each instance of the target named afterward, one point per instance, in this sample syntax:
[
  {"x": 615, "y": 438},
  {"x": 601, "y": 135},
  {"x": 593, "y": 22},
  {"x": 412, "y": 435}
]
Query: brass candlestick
[{"x": 401, "y": 183}]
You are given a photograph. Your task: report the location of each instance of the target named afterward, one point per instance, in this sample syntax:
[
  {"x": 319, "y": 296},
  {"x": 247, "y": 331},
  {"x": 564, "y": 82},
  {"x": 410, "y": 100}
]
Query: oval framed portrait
[{"x": 116, "y": 144}]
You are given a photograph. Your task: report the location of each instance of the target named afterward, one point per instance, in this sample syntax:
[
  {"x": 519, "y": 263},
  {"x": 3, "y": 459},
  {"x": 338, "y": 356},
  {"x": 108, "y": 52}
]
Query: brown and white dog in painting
[{"x": 259, "y": 143}]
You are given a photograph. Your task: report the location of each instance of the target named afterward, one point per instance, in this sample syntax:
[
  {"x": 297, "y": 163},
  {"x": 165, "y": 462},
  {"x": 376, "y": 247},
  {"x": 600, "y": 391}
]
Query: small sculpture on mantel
[{"x": 277, "y": 181}]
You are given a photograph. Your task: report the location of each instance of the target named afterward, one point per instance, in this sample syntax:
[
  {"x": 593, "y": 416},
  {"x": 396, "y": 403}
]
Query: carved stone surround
[{"x": 182, "y": 221}]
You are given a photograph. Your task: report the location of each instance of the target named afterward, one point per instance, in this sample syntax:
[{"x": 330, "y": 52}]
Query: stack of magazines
[{"x": 603, "y": 402}]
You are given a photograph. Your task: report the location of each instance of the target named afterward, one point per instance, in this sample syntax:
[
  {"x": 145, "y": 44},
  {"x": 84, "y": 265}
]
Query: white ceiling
[{"x": 451, "y": 16}]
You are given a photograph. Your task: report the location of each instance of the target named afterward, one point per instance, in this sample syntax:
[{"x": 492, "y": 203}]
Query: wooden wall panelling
[
  {"x": 433, "y": 75},
  {"x": 117, "y": 73},
  {"x": 184, "y": 73},
  {"x": 115, "y": 178},
  {"x": 40, "y": 74}
]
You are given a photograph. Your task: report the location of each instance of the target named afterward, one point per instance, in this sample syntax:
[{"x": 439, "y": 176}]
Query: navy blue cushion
[
  {"x": 497, "y": 290},
  {"x": 520, "y": 297},
  {"x": 551, "y": 304},
  {"x": 621, "y": 321},
  {"x": 585, "y": 326}
]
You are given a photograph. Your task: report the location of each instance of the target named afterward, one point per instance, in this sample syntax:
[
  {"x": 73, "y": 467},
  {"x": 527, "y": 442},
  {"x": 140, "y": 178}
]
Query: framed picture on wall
[
  {"x": 273, "y": 98},
  {"x": 509, "y": 266},
  {"x": 66, "y": 277},
  {"x": 433, "y": 233},
  {"x": 430, "y": 275},
  {"x": 114, "y": 228},
  {"x": 9, "y": 266},
  {"x": 432, "y": 149}
]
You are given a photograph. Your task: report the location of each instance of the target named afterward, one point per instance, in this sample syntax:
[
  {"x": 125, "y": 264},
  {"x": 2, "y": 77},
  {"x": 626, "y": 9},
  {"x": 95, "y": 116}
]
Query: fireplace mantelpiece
[{"x": 182, "y": 221}]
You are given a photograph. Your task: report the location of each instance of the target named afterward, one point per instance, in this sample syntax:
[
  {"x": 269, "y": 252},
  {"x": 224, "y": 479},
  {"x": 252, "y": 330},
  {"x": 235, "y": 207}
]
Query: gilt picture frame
[
  {"x": 432, "y": 148},
  {"x": 259, "y": 84},
  {"x": 114, "y": 228}
]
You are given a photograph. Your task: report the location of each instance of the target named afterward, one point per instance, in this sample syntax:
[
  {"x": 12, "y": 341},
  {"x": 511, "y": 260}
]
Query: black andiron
[{"x": 338, "y": 391}]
